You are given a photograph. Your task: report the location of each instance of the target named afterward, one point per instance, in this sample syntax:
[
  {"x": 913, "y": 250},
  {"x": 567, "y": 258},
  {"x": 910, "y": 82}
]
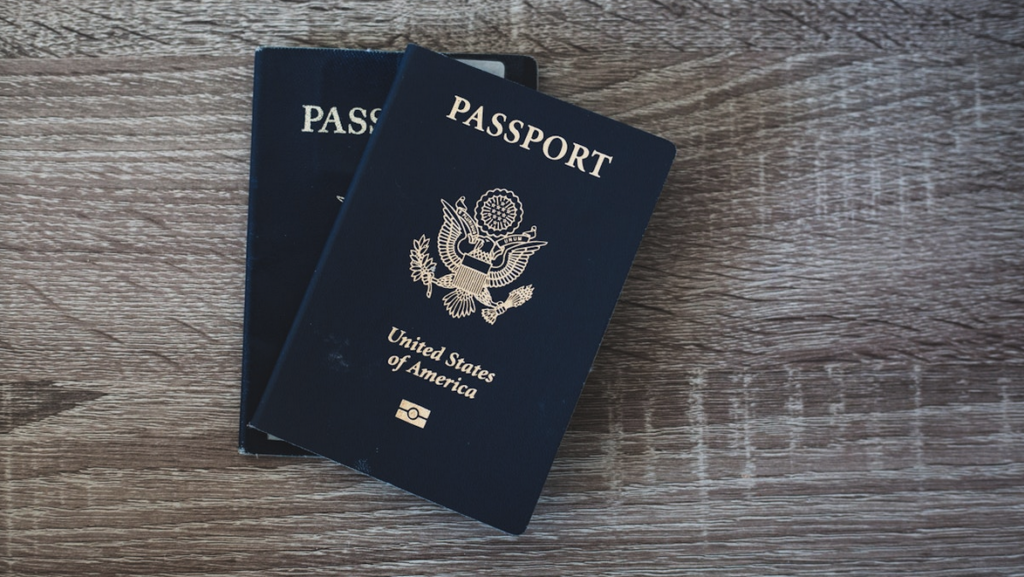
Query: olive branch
[{"x": 421, "y": 263}]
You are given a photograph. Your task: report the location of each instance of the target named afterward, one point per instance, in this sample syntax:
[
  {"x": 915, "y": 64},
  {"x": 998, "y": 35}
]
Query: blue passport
[
  {"x": 313, "y": 113},
  {"x": 465, "y": 288}
]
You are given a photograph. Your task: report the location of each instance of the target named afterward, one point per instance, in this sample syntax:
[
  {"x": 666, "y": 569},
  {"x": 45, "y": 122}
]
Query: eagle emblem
[{"x": 482, "y": 251}]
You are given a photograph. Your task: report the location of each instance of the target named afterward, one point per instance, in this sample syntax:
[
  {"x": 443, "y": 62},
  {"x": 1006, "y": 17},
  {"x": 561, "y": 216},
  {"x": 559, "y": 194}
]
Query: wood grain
[
  {"x": 122, "y": 27},
  {"x": 815, "y": 367}
]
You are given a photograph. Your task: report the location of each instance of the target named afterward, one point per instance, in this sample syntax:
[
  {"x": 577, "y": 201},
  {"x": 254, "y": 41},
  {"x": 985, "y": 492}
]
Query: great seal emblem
[{"x": 482, "y": 251}]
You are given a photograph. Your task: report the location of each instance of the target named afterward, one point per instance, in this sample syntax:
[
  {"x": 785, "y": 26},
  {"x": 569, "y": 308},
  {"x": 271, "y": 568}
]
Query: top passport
[{"x": 466, "y": 285}]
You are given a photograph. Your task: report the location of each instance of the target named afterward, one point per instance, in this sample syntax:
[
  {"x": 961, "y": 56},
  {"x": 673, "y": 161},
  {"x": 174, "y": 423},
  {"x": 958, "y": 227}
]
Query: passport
[
  {"x": 465, "y": 288},
  {"x": 314, "y": 110}
]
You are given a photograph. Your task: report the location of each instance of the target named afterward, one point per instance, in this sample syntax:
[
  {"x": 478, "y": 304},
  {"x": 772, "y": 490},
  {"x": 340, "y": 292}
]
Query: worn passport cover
[
  {"x": 313, "y": 112},
  {"x": 464, "y": 291}
]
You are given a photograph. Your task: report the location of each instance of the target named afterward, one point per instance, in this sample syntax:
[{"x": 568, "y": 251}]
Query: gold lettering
[
  {"x": 309, "y": 108},
  {"x": 533, "y": 134},
  {"x": 399, "y": 337},
  {"x": 547, "y": 145},
  {"x": 477, "y": 118},
  {"x": 576, "y": 157},
  {"x": 601, "y": 157},
  {"x": 460, "y": 105},
  {"x": 514, "y": 130},
  {"x": 497, "y": 124},
  {"x": 357, "y": 116},
  {"x": 333, "y": 118}
]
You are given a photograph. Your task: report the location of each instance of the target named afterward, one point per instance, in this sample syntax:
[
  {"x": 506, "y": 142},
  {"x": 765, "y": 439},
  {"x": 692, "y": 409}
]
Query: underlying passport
[
  {"x": 313, "y": 113},
  {"x": 465, "y": 289}
]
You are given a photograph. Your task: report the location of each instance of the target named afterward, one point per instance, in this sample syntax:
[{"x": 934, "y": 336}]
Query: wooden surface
[{"x": 816, "y": 366}]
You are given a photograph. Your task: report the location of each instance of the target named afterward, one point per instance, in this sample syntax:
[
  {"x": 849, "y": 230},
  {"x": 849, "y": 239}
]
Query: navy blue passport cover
[
  {"x": 465, "y": 288},
  {"x": 313, "y": 112}
]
